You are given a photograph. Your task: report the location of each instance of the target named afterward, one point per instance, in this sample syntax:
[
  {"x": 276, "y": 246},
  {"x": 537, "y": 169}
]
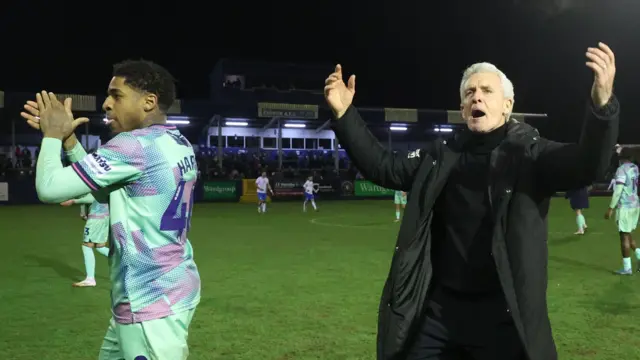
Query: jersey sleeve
[
  {"x": 76, "y": 154},
  {"x": 55, "y": 183},
  {"x": 86, "y": 200},
  {"x": 621, "y": 176},
  {"x": 617, "y": 194},
  {"x": 119, "y": 161}
]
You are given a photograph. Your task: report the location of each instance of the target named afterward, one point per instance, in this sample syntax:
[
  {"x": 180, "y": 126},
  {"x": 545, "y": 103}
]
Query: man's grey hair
[{"x": 485, "y": 67}]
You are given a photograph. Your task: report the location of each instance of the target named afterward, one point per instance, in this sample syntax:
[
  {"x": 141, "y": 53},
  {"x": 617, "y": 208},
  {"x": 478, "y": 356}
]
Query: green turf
[{"x": 289, "y": 285}]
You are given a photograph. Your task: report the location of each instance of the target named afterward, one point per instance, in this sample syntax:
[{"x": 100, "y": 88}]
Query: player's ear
[{"x": 150, "y": 102}]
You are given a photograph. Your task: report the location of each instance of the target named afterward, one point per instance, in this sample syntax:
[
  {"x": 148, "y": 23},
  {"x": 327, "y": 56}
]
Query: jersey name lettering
[{"x": 187, "y": 164}]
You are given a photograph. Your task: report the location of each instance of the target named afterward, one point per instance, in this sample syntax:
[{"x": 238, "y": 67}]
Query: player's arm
[
  {"x": 118, "y": 162},
  {"x": 620, "y": 178},
  {"x": 85, "y": 200},
  {"x": 54, "y": 182},
  {"x": 561, "y": 167},
  {"x": 615, "y": 198},
  {"x": 375, "y": 162},
  {"x": 73, "y": 149}
]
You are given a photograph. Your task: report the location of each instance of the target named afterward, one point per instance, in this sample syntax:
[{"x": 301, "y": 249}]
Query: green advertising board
[
  {"x": 219, "y": 190},
  {"x": 369, "y": 189}
]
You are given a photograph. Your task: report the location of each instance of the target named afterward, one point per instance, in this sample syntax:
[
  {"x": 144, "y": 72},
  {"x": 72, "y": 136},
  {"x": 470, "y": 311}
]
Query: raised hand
[
  {"x": 55, "y": 119},
  {"x": 603, "y": 63},
  {"x": 32, "y": 114},
  {"x": 339, "y": 95}
]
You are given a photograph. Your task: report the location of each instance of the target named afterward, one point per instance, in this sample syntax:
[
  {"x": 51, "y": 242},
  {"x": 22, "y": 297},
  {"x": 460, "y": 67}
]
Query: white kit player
[
  {"x": 309, "y": 189},
  {"x": 262, "y": 183}
]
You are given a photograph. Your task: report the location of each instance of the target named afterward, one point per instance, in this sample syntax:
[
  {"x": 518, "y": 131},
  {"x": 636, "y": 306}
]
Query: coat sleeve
[
  {"x": 562, "y": 167},
  {"x": 375, "y": 162}
]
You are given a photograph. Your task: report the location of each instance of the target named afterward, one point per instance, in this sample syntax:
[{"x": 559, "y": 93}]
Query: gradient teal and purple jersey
[
  {"x": 627, "y": 176},
  {"x": 150, "y": 174},
  {"x": 98, "y": 211}
]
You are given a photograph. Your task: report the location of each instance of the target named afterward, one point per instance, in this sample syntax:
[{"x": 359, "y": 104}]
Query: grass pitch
[{"x": 290, "y": 285}]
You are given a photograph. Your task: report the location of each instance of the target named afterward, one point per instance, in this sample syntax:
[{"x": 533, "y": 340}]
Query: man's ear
[
  {"x": 150, "y": 102},
  {"x": 508, "y": 107}
]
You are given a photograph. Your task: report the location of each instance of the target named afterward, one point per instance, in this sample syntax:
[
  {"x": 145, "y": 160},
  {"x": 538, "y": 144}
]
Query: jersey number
[{"x": 177, "y": 205}]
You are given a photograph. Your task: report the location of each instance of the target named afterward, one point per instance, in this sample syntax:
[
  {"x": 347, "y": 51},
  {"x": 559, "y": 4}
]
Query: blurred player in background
[
  {"x": 96, "y": 235},
  {"x": 625, "y": 200},
  {"x": 400, "y": 200},
  {"x": 262, "y": 183},
  {"x": 617, "y": 149},
  {"x": 579, "y": 200},
  {"x": 309, "y": 189}
]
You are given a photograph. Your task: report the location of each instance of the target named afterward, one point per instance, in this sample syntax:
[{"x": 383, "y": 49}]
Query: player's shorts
[
  {"x": 262, "y": 196},
  {"x": 579, "y": 199},
  {"x": 398, "y": 199},
  {"x": 160, "y": 339},
  {"x": 96, "y": 231},
  {"x": 308, "y": 196},
  {"x": 627, "y": 219}
]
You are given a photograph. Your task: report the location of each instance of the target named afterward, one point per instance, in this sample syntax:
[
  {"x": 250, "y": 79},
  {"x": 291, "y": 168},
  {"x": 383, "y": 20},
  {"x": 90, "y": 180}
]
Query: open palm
[
  {"x": 32, "y": 114},
  {"x": 339, "y": 95}
]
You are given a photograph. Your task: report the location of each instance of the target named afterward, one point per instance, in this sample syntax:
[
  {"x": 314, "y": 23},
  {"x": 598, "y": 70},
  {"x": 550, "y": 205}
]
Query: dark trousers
[{"x": 466, "y": 327}]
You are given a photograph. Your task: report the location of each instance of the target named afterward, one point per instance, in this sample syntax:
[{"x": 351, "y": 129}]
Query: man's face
[
  {"x": 484, "y": 107},
  {"x": 264, "y": 174},
  {"x": 126, "y": 107}
]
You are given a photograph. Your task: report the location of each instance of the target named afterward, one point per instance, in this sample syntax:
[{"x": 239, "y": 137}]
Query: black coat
[{"x": 526, "y": 170}]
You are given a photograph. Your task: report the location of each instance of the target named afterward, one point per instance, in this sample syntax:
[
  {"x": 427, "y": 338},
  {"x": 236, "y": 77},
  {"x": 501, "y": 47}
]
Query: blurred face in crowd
[
  {"x": 484, "y": 106},
  {"x": 264, "y": 174}
]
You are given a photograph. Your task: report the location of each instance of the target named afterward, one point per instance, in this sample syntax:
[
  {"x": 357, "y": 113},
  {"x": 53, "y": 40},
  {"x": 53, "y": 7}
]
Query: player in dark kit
[{"x": 579, "y": 200}]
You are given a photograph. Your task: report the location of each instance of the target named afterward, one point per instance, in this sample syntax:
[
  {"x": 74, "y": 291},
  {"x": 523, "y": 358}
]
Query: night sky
[{"x": 405, "y": 53}]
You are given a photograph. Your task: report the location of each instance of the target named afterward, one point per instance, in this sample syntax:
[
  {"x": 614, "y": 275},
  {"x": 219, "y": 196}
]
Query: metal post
[
  {"x": 279, "y": 144},
  {"x": 220, "y": 142},
  {"x": 336, "y": 155}
]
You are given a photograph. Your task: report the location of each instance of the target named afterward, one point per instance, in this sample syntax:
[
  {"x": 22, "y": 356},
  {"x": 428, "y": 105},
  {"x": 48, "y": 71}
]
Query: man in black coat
[{"x": 468, "y": 278}]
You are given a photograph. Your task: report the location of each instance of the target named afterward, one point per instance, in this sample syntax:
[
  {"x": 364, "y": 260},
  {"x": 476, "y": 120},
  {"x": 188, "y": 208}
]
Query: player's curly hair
[{"x": 149, "y": 77}]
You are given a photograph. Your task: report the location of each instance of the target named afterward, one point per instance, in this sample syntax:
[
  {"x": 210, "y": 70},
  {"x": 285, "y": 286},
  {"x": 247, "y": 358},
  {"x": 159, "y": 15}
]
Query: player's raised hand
[
  {"x": 56, "y": 119},
  {"x": 68, "y": 202},
  {"x": 339, "y": 95},
  {"x": 32, "y": 114},
  {"x": 603, "y": 63}
]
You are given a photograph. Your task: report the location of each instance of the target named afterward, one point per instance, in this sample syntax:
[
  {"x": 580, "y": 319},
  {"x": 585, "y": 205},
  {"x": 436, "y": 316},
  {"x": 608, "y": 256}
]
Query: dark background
[{"x": 405, "y": 53}]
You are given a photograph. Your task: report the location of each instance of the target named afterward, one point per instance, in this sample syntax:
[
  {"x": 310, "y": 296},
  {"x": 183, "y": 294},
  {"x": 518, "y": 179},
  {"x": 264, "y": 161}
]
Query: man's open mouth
[{"x": 477, "y": 114}]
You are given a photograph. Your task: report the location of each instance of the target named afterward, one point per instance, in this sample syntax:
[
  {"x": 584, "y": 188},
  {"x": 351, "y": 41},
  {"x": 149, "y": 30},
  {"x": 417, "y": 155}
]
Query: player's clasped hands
[{"x": 50, "y": 116}]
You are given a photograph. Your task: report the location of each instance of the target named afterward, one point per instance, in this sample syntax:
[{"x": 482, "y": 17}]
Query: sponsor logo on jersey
[{"x": 98, "y": 164}]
